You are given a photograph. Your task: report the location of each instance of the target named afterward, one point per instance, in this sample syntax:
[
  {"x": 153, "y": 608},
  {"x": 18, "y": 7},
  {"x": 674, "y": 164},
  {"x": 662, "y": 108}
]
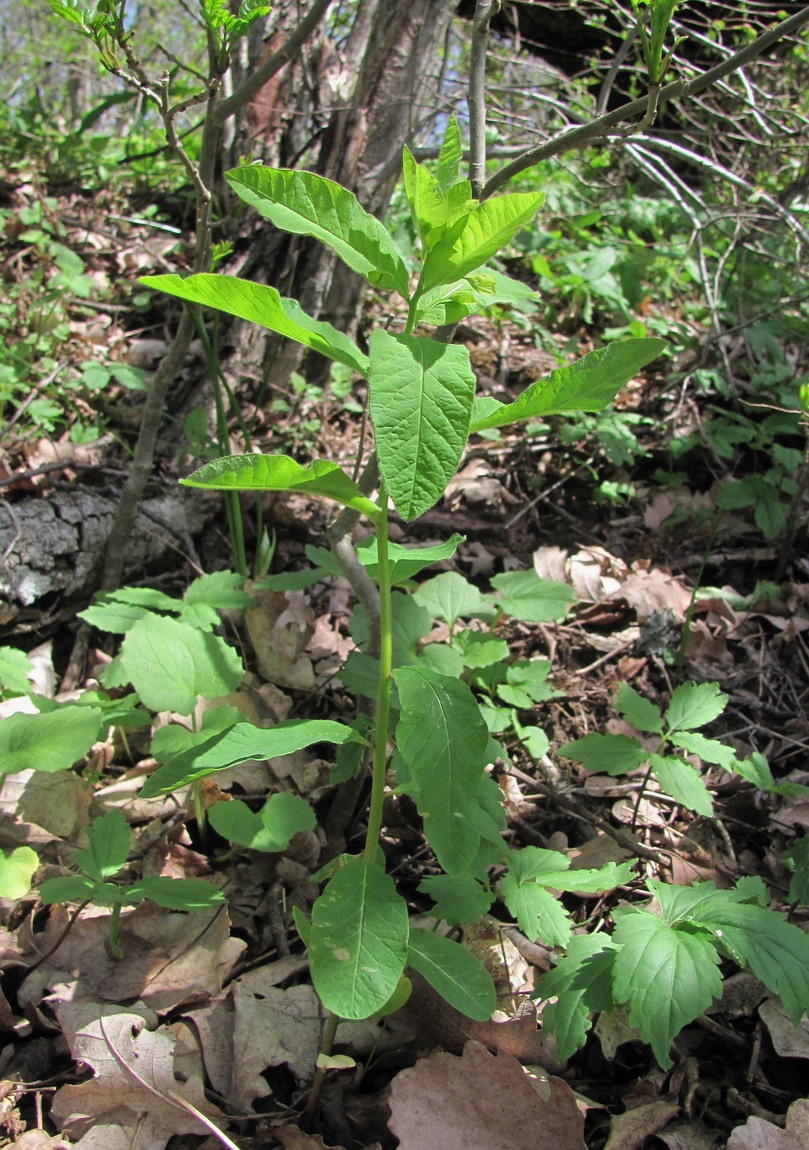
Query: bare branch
[
  {"x": 253, "y": 84},
  {"x": 679, "y": 89}
]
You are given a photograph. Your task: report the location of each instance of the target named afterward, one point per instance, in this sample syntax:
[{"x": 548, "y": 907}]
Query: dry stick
[{"x": 595, "y": 129}]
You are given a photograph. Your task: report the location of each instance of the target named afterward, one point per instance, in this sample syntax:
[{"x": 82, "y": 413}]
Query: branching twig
[{"x": 597, "y": 129}]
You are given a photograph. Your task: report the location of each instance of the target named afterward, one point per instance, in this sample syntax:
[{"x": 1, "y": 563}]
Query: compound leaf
[
  {"x": 184, "y": 894},
  {"x": 643, "y": 715},
  {"x": 526, "y": 597},
  {"x": 683, "y": 782},
  {"x": 693, "y": 705},
  {"x": 613, "y": 754}
]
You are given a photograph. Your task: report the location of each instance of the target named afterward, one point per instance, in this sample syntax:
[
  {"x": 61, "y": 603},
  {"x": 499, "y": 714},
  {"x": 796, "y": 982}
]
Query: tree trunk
[{"x": 381, "y": 85}]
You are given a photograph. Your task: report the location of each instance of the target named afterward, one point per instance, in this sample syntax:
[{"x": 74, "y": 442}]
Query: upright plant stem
[{"x": 385, "y": 682}]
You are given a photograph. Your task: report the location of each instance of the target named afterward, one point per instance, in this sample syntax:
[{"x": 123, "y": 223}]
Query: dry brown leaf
[
  {"x": 655, "y": 590},
  {"x": 134, "y": 1078},
  {"x": 293, "y": 1138},
  {"x": 279, "y": 627},
  {"x": 690, "y": 1135},
  {"x": 282, "y": 1027},
  {"x": 480, "y": 1101},
  {"x": 172, "y": 959},
  {"x": 756, "y": 1134},
  {"x": 630, "y": 1130},
  {"x": 788, "y": 1041}
]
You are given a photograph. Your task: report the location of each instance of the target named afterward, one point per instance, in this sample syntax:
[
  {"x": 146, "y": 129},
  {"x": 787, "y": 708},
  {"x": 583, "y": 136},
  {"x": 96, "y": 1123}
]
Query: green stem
[
  {"x": 385, "y": 681},
  {"x": 116, "y": 949},
  {"x": 329, "y": 1032}
]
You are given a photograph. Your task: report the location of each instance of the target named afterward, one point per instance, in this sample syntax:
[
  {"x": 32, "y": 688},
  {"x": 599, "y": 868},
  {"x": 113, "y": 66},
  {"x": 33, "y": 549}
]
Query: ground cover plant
[{"x": 454, "y": 696}]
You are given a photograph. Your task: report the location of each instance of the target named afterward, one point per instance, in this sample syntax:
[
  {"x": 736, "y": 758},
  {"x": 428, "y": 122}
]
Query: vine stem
[{"x": 385, "y": 681}]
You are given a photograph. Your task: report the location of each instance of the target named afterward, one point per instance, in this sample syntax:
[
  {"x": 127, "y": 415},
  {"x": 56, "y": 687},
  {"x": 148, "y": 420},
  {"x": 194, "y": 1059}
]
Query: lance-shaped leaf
[
  {"x": 449, "y": 158},
  {"x": 310, "y": 205},
  {"x": 240, "y": 743},
  {"x": 263, "y": 305},
  {"x": 589, "y": 384},
  {"x": 443, "y": 739},
  {"x": 358, "y": 940},
  {"x": 420, "y": 400},
  {"x": 281, "y": 473},
  {"x": 489, "y": 227},
  {"x": 454, "y": 972},
  {"x": 428, "y": 204}
]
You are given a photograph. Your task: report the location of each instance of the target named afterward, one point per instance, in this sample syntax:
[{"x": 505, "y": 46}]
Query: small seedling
[{"x": 103, "y": 858}]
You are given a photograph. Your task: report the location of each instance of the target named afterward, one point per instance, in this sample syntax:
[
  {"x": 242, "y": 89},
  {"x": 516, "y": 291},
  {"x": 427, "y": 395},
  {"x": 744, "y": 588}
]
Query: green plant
[
  {"x": 677, "y": 735},
  {"x": 103, "y": 858},
  {"x": 663, "y": 961},
  {"x": 423, "y": 408}
]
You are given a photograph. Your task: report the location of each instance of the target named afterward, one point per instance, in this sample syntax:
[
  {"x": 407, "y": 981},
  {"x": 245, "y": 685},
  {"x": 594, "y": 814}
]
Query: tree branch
[
  {"x": 253, "y": 84},
  {"x": 678, "y": 89}
]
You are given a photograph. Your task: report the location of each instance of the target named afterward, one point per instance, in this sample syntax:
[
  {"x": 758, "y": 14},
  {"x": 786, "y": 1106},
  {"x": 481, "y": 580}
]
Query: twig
[
  {"x": 679, "y": 89},
  {"x": 476, "y": 96}
]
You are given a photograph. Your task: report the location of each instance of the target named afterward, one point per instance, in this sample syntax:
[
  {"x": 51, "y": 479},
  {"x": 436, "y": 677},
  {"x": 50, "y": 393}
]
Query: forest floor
[{"x": 214, "y": 1012}]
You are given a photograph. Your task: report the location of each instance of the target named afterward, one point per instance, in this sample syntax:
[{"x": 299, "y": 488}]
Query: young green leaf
[
  {"x": 613, "y": 754},
  {"x": 52, "y": 741},
  {"x": 490, "y": 226},
  {"x": 281, "y": 473},
  {"x": 568, "y": 1019},
  {"x": 263, "y": 305},
  {"x": 270, "y": 829},
  {"x": 443, "y": 740},
  {"x": 526, "y": 597},
  {"x": 420, "y": 401},
  {"x": 15, "y": 668},
  {"x": 709, "y": 750},
  {"x": 643, "y": 715},
  {"x": 589, "y": 384},
  {"x": 668, "y": 977},
  {"x": 238, "y": 744},
  {"x": 457, "y": 898},
  {"x": 209, "y": 594},
  {"x": 310, "y": 205},
  {"x": 108, "y": 846},
  {"x": 450, "y": 156},
  {"x": 428, "y": 204},
  {"x": 683, "y": 782},
  {"x": 776, "y": 951},
  {"x": 693, "y": 705},
  {"x": 71, "y": 888},
  {"x": 404, "y": 563},
  {"x": 17, "y": 868},
  {"x": 450, "y": 597},
  {"x": 358, "y": 940},
  {"x": 170, "y": 664},
  {"x": 185, "y": 894},
  {"x": 454, "y": 972},
  {"x": 539, "y": 913}
]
